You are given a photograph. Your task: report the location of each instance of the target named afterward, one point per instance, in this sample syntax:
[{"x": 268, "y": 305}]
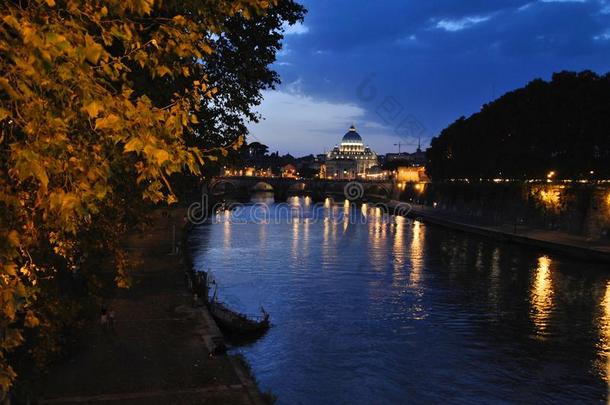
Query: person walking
[
  {"x": 104, "y": 317},
  {"x": 111, "y": 318}
]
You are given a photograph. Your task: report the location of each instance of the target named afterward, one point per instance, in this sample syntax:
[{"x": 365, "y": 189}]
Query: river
[{"x": 369, "y": 309}]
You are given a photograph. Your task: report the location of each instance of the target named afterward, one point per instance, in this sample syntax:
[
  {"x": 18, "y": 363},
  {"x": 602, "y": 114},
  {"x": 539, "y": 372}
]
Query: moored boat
[
  {"x": 234, "y": 322},
  {"x": 237, "y": 323}
]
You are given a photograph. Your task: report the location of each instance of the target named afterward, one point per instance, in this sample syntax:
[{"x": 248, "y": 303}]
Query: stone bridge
[{"x": 317, "y": 188}]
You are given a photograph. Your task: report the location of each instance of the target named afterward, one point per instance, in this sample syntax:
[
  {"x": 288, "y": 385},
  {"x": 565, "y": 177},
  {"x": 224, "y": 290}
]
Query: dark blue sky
[{"x": 400, "y": 70}]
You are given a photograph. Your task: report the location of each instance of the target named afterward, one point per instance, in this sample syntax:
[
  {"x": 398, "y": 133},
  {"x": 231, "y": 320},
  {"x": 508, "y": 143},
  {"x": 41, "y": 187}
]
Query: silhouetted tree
[{"x": 561, "y": 125}]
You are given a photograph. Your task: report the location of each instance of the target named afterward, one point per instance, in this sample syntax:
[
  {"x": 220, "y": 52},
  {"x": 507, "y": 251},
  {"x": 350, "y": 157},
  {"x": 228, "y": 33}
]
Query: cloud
[
  {"x": 299, "y": 124},
  {"x": 460, "y": 24},
  {"x": 604, "y": 36},
  {"x": 441, "y": 59},
  {"x": 407, "y": 40},
  {"x": 295, "y": 29},
  {"x": 285, "y": 51}
]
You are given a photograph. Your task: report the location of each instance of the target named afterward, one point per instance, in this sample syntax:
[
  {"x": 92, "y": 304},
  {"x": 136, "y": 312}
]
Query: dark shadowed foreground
[{"x": 157, "y": 352}]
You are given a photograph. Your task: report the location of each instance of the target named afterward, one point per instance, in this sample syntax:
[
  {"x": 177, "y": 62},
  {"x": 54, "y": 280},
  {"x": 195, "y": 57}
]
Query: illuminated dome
[
  {"x": 351, "y": 159},
  {"x": 352, "y": 137}
]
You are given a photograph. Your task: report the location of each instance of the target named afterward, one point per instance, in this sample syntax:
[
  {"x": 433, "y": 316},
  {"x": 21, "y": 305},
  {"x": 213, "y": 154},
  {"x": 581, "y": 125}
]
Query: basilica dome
[{"x": 352, "y": 137}]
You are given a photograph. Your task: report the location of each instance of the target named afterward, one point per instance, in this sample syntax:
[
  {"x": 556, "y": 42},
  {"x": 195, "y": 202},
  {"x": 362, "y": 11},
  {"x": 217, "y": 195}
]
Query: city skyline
[{"x": 434, "y": 62}]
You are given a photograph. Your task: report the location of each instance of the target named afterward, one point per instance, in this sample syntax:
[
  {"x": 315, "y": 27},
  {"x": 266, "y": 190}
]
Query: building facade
[{"x": 351, "y": 159}]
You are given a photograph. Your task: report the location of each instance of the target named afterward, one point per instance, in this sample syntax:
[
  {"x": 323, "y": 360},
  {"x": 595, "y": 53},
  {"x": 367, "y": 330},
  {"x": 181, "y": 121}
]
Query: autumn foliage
[{"x": 97, "y": 102}]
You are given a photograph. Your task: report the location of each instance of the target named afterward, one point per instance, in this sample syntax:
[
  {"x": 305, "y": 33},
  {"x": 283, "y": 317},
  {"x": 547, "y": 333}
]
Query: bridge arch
[
  {"x": 223, "y": 187},
  {"x": 262, "y": 186},
  {"x": 378, "y": 190},
  {"x": 297, "y": 187}
]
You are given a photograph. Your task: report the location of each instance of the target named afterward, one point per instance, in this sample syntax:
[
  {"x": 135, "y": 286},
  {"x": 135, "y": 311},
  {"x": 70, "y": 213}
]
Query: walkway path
[
  {"x": 160, "y": 350},
  {"x": 558, "y": 241}
]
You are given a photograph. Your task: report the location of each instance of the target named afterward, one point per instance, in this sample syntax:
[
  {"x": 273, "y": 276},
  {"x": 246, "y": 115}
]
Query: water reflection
[
  {"x": 399, "y": 248},
  {"x": 494, "y": 277},
  {"x": 295, "y": 238},
  {"x": 377, "y": 235},
  {"x": 604, "y": 328},
  {"x": 227, "y": 229},
  {"x": 417, "y": 253},
  {"x": 542, "y": 295},
  {"x": 392, "y": 310},
  {"x": 346, "y": 215}
]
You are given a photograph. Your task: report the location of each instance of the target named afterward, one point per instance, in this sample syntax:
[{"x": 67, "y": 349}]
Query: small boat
[{"x": 235, "y": 322}]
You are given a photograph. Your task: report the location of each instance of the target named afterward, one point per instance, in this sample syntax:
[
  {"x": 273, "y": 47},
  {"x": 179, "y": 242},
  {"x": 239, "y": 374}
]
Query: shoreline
[
  {"x": 215, "y": 339},
  {"x": 560, "y": 242},
  {"x": 163, "y": 347}
]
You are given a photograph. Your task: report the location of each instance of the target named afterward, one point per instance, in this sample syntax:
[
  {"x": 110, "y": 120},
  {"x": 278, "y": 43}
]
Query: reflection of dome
[{"x": 352, "y": 136}]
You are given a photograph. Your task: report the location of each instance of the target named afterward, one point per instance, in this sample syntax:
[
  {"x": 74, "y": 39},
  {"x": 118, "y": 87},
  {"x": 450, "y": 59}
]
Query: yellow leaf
[
  {"x": 11, "y": 21},
  {"x": 110, "y": 121},
  {"x": 69, "y": 201},
  {"x": 100, "y": 191},
  {"x": 10, "y": 269},
  {"x": 8, "y": 88},
  {"x": 30, "y": 320},
  {"x": 134, "y": 145},
  {"x": 41, "y": 175},
  {"x": 93, "y": 108},
  {"x": 163, "y": 70},
  {"x": 50, "y": 3},
  {"x": 143, "y": 6},
  {"x": 194, "y": 119},
  {"x": 207, "y": 49},
  {"x": 180, "y": 20},
  {"x": 13, "y": 238},
  {"x": 161, "y": 156},
  {"x": 3, "y": 113},
  {"x": 93, "y": 50}
]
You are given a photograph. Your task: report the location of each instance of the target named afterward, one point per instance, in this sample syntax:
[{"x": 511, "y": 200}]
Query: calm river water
[{"x": 374, "y": 309}]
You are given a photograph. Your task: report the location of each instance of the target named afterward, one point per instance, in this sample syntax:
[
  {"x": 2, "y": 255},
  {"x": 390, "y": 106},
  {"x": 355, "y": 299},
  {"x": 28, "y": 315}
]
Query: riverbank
[
  {"x": 556, "y": 241},
  {"x": 161, "y": 349}
]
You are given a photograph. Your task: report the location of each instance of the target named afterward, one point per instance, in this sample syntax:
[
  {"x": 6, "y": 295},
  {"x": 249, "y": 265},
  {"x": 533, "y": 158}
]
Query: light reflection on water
[
  {"x": 604, "y": 328},
  {"x": 372, "y": 310},
  {"x": 416, "y": 252},
  {"x": 542, "y": 295}
]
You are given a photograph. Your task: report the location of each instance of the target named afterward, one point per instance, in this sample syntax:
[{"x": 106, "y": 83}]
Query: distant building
[
  {"x": 417, "y": 158},
  {"x": 411, "y": 174},
  {"x": 351, "y": 159},
  {"x": 377, "y": 173},
  {"x": 248, "y": 171},
  {"x": 289, "y": 171}
]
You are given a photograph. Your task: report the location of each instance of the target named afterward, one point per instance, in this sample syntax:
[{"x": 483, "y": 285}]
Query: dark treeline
[{"x": 562, "y": 125}]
